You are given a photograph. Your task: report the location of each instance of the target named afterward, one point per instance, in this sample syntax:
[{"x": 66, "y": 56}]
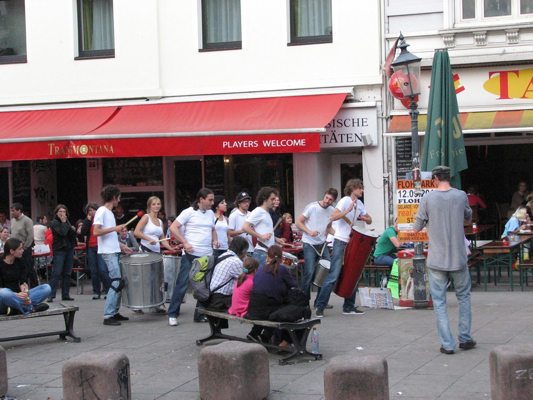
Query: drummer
[
  {"x": 315, "y": 223},
  {"x": 348, "y": 211},
  {"x": 150, "y": 230}
]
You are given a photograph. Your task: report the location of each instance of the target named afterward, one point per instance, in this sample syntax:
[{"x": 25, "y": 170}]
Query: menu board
[
  {"x": 140, "y": 171},
  {"x": 404, "y": 158},
  {"x": 214, "y": 173}
]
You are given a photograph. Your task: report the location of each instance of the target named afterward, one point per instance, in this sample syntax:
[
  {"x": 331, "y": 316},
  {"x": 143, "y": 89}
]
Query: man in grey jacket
[{"x": 444, "y": 212}]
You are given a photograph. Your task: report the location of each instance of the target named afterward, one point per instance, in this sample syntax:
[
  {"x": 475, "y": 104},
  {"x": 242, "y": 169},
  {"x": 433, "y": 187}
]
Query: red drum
[{"x": 355, "y": 256}]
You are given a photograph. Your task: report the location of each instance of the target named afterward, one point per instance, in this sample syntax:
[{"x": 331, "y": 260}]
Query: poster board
[{"x": 407, "y": 202}]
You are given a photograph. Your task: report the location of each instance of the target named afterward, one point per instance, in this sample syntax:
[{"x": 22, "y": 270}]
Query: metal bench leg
[
  {"x": 69, "y": 327},
  {"x": 300, "y": 350}
]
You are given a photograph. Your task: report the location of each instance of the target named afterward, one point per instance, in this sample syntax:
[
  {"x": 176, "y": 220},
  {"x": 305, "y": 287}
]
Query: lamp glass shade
[{"x": 408, "y": 75}]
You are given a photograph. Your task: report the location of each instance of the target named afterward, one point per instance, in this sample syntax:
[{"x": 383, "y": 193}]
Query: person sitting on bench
[
  {"x": 15, "y": 296},
  {"x": 271, "y": 284},
  {"x": 226, "y": 273}
]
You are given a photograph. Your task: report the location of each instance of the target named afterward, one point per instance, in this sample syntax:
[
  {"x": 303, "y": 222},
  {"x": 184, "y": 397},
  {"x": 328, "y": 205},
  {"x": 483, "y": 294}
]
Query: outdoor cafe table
[
  {"x": 496, "y": 255},
  {"x": 474, "y": 236}
]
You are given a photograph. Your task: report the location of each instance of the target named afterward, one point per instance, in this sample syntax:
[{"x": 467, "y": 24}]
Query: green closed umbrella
[{"x": 444, "y": 143}]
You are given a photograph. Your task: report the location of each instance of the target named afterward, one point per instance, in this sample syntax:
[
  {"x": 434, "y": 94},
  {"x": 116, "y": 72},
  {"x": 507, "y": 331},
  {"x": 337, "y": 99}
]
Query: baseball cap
[
  {"x": 441, "y": 169},
  {"x": 242, "y": 196}
]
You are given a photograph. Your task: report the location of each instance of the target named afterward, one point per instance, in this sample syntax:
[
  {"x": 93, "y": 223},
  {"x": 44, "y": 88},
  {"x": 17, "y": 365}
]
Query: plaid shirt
[{"x": 228, "y": 269}]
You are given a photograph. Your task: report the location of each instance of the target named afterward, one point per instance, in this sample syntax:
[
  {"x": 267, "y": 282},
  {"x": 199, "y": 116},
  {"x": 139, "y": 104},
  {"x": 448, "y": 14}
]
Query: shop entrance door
[
  {"x": 188, "y": 181},
  {"x": 345, "y": 167}
]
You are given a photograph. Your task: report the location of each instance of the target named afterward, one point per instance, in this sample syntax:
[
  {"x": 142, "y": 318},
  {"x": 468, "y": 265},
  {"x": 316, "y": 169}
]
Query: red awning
[{"x": 247, "y": 126}]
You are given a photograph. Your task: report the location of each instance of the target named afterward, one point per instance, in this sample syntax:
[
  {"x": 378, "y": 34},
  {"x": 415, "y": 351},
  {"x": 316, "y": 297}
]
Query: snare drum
[
  {"x": 289, "y": 260},
  {"x": 321, "y": 272}
]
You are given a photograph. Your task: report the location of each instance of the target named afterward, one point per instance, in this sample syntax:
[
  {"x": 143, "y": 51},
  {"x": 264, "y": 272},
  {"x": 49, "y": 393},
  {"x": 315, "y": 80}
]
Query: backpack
[{"x": 200, "y": 276}]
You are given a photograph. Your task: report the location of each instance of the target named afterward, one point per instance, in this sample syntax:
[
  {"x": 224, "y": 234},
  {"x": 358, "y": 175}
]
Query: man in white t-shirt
[
  {"x": 315, "y": 223},
  {"x": 109, "y": 247},
  {"x": 259, "y": 224},
  {"x": 238, "y": 217},
  {"x": 349, "y": 209},
  {"x": 195, "y": 229}
]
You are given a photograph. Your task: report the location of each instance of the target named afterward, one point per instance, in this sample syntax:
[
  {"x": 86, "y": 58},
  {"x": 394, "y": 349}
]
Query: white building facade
[{"x": 199, "y": 93}]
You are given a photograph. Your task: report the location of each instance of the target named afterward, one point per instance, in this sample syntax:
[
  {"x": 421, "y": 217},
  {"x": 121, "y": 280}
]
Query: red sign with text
[{"x": 163, "y": 146}]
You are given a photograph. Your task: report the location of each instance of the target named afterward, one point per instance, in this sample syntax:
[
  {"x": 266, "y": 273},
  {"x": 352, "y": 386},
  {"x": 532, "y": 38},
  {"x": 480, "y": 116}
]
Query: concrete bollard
[
  {"x": 511, "y": 372},
  {"x": 234, "y": 370},
  {"x": 97, "y": 375},
  {"x": 351, "y": 377},
  {"x": 3, "y": 372}
]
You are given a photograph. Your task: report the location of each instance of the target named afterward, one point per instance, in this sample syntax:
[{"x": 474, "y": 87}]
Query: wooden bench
[
  {"x": 68, "y": 315},
  {"x": 298, "y": 353},
  {"x": 475, "y": 260},
  {"x": 378, "y": 271}
]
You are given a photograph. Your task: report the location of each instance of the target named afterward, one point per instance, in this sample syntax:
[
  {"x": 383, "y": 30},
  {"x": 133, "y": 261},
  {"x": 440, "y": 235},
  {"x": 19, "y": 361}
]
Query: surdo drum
[
  {"x": 143, "y": 280},
  {"x": 355, "y": 255}
]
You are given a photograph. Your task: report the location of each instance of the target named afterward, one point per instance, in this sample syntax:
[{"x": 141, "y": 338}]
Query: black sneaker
[
  {"x": 111, "y": 321},
  {"x": 444, "y": 351},
  {"x": 353, "y": 311},
  {"x": 39, "y": 307},
  {"x": 96, "y": 297},
  {"x": 67, "y": 299},
  {"x": 468, "y": 345},
  {"x": 319, "y": 313},
  {"x": 328, "y": 307},
  {"x": 202, "y": 319},
  {"x": 119, "y": 317}
]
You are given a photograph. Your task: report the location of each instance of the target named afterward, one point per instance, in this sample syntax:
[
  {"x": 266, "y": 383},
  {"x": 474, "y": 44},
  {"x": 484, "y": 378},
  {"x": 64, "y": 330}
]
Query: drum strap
[
  {"x": 322, "y": 252},
  {"x": 120, "y": 284}
]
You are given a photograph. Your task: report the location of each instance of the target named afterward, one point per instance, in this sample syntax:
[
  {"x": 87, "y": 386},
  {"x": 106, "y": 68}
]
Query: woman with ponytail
[
  {"x": 243, "y": 287},
  {"x": 271, "y": 284}
]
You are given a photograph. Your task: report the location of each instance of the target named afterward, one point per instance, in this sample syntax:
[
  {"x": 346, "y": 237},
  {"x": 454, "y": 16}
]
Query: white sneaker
[{"x": 173, "y": 321}]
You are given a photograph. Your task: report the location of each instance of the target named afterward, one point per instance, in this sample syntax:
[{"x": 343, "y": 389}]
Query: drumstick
[
  {"x": 162, "y": 240},
  {"x": 139, "y": 214}
]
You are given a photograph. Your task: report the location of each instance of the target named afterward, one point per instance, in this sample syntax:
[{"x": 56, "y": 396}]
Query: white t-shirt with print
[
  {"x": 343, "y": 229},
  {"x": 318, "y": 219},
  {"x": 198, "y": 230},
  {"x": 262, "y": 223},
  {"x": 108, "y": 243},
  {"x": 236, "y": 221}
]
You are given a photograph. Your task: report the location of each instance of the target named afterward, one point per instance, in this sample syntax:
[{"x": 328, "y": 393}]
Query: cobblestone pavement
[{"x": 163, "y": 359}]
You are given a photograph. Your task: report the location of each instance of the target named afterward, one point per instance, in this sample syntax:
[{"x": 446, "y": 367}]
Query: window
[
  {"x": 484, "y": 9},
  {"x": 96, "y": 36},
  {"x": 12, "y": 32},
  {"x": 311, "y": 21},
  {"x": 221, "y": 24}
]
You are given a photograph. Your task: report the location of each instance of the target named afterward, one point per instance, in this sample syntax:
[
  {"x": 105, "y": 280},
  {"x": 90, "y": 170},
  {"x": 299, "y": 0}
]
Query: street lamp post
[{"x": 407, "y": 70}]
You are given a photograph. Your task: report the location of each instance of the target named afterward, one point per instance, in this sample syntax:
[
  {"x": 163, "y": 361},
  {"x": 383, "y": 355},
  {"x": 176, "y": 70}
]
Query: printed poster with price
[{"x": 407, "y": 207}]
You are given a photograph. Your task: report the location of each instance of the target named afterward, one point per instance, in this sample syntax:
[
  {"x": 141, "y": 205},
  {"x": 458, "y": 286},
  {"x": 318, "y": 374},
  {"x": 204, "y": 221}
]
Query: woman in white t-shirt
[
  {"x": 150, "y": 230},
  {"x": 221, "y": 225}
]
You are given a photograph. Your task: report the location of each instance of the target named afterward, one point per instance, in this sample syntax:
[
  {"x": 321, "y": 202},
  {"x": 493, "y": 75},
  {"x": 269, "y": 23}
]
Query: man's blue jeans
[
  {"x": 62, "y": 270},
  {"x": 9, "y": 299},
  {"x": 112, "y": 303},
  {"x": 99, "y": 272},
  {"x": 438, "y": 280},
  {"x": 384, "y": 259},
  {"x": 260, "y": 256},
  {"x": 182, "y": 283},
  {"x": 311, "y": 253},
  {"x": 337, "y": 259}
]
